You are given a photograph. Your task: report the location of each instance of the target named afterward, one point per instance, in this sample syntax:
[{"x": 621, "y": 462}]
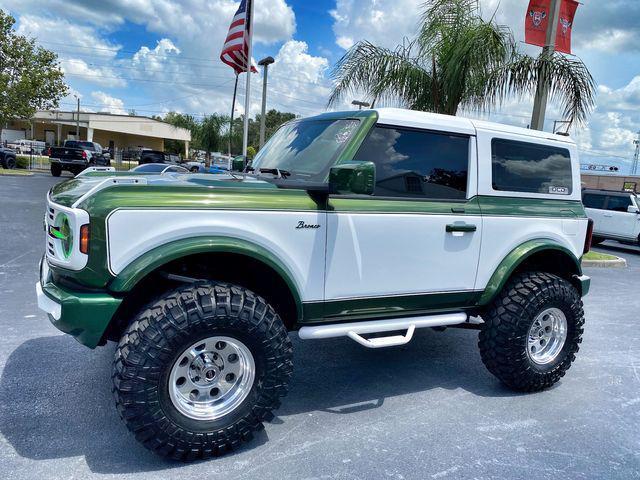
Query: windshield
[{"x": 306, "y": 148}]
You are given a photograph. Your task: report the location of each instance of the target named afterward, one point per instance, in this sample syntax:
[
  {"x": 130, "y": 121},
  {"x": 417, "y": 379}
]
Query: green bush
[{"x": 22, "y": 161}]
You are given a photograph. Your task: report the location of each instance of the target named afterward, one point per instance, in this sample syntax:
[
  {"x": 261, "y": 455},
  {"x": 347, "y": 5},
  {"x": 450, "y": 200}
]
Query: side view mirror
[
  {"x": 237, "y": 164},
  {"x": 355, "y": 177},
  {"x": 632, "y": 209}
]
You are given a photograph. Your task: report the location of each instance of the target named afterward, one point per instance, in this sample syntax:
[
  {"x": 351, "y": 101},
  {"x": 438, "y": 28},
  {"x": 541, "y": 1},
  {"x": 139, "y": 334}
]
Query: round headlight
[{"x": 66, "y": 234}]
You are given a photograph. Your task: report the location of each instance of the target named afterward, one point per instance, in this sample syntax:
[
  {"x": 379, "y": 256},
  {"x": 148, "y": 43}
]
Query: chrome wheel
[
  {"x": 547, "y": 336},
  {"x": 211, "y": 378}
]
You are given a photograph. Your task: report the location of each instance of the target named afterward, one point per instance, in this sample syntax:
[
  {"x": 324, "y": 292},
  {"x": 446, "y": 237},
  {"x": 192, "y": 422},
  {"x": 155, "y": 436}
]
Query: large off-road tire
[
  {"x": 56, "y": 169},
  {"x": 200, "y": 369},
  {"x": 532, "y": 331}
]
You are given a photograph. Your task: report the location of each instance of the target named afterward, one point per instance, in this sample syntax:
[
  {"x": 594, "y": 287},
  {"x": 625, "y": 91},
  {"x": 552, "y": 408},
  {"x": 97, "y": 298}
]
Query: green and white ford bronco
[{"x": 366, "y": 225}]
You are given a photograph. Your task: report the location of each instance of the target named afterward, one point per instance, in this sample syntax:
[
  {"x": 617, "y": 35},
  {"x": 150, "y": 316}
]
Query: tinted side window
[
  {"x": 592, "y": 200},
  {"x": 530, "y": 167},
  {"x": 413, "y": 163},
  {"x": 618, "y": 204}
]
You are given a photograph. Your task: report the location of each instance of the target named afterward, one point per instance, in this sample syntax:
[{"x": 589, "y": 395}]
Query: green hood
[{"x": 67, "y": 193}]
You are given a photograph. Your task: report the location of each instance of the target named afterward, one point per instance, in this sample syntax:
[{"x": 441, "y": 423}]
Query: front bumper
[{"x": 85, "y": 316}]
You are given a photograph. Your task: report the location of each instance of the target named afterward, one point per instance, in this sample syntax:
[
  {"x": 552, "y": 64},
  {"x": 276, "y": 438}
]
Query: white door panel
[
  {"x": 132, "y": 233},
  {"x": 622, "y": 223},
  {"x": 393, "y": 254},
  {"x": 503, "y": 234}
]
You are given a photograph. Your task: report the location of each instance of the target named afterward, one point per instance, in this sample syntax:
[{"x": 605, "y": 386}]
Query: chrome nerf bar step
[{"x": 355, "y": 330}]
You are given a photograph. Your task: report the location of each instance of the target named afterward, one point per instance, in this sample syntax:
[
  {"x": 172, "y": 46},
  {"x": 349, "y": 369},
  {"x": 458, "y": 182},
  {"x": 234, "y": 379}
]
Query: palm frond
[
  {"x": 571, "y": 83},
  {"x": 387, "y": 75}
]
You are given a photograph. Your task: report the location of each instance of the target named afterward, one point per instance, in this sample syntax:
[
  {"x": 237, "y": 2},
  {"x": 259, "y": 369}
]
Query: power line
[{"x": 204, "y": 85}]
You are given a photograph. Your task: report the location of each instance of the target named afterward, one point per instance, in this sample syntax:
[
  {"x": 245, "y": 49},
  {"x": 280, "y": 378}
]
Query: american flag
[{"x": 236, "y": 46}]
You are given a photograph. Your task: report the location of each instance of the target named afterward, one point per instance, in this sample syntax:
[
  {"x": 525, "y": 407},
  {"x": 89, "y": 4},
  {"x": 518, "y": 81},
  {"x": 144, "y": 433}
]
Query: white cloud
[
  {"x": 107, "y": 103},
  {"x": 297, "y": 79},
  {"x": 103, "y": 76},
  {"x": 62, "y": 34},
  {"x": 383, "y": 22}
]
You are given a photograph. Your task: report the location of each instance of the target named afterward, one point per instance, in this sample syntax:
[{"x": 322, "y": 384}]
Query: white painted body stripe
[
  {"x": 502, "y": 234},
  {"x": 394, "y": 254},
  {"x": 132, "y": 233},
  {"x": 367, "y": 255}
]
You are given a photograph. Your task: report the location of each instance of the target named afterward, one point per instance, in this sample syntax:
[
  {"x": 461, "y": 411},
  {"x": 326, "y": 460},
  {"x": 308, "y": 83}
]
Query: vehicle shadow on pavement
[{"x": 56, "y": 402}]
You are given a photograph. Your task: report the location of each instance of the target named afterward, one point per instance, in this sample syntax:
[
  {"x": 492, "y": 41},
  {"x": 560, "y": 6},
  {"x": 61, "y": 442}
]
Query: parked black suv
[{"x": 155, "y": 156}]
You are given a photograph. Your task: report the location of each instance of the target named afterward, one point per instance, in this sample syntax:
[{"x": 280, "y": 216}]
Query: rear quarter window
[{"x": 530, "y": 168}]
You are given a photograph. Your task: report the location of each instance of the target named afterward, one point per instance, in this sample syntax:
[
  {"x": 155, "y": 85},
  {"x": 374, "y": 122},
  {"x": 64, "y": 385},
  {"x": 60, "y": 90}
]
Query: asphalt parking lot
[{"x": 426, "y": 410}]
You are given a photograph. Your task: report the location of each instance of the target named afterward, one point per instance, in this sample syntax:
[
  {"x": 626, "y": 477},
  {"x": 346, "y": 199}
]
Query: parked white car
[{"x": 616, "y": 215}]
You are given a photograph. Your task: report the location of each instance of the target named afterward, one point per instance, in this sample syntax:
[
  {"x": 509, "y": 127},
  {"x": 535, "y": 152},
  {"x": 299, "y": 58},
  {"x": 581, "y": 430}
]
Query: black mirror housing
[{"x": 356, "y": 177}]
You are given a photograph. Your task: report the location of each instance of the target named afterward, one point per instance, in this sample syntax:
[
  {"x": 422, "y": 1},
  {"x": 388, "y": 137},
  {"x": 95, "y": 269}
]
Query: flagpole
[
  {"x": 247, "y": 99},
  {"x": 233, "y": 108}
]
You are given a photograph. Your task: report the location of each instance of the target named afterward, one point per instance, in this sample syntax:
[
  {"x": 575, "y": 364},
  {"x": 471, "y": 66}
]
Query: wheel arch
[
  {"x": 207, "y": 252},
  {"x": 542, "y": 254}
]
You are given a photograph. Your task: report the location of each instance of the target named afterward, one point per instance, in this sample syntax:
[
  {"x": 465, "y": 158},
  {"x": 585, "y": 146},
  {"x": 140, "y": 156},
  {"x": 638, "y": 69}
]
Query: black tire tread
[
  {"x": 146, "y": 346},
  {"x": 507, "y": 323}
]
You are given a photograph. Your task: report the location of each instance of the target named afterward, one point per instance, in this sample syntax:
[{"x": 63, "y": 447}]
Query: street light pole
[
  {"x": 360, "y": 104},
  {"x": 78, "y": 120},
  {"x": 636, "y": 157},
  {"x": 542, "y": 90},
  {"x": 265, "y": 62}
]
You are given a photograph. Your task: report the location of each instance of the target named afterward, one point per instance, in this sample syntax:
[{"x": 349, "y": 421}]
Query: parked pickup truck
[{"x": 75, "y": 156}]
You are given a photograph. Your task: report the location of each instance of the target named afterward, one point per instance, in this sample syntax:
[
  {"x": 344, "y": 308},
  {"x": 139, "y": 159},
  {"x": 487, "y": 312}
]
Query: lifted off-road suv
[{"x": 345, "y": 225}]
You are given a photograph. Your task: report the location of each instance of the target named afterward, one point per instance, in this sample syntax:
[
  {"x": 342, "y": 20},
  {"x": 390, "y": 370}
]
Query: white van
[{"x": 25, "y": 147}]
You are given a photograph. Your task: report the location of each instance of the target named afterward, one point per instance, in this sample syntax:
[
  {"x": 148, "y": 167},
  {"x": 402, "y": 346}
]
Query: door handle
[
  {"x": 460, "y": 227},
  {"x": 608, "y": 215}
]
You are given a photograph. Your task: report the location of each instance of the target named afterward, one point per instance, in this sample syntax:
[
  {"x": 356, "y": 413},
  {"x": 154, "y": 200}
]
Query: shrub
[{"x": 22, "y": 161}]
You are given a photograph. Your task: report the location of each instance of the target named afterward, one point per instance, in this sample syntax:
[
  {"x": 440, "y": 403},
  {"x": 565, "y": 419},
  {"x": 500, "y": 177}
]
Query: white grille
[{"x": 76, "y": 260}]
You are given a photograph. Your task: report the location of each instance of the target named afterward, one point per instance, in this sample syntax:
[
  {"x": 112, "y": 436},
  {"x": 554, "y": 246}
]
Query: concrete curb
[{"x": 617, "y": 263}]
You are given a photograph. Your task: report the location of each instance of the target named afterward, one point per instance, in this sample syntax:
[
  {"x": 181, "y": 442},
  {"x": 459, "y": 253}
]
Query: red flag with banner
[
  {"x": 565, "y": 24},
  {"x": 537, "y": 21}
]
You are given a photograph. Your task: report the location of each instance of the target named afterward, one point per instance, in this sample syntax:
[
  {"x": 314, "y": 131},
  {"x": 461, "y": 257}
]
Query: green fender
[
  {"x": 150, "y": 261},
  {"x": 515, "y": 258}
]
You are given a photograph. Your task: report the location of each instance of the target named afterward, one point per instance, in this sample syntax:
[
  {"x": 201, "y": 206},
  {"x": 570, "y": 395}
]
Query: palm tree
[{"x": 458, "y": 60}]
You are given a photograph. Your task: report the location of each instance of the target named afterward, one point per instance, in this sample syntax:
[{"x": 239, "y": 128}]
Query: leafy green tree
[
  {"x": 30, "y": 76},
  {"x": 458, "y": 60},
  {"x": 273, "y": 120},
  {"x": 210, "y": 135},
  {"x": 183, "y": 121}
]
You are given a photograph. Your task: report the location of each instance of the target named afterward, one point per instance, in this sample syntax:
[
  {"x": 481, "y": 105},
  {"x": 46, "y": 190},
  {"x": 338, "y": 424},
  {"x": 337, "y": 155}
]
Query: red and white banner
[
  {"x": 565, "y": 24},
  {"x": 537, "y": 21}
]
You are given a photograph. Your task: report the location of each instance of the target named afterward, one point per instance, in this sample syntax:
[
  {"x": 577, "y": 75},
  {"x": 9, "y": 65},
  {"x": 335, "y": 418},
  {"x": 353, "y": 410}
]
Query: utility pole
[
  {"x": 636, "y": 157},
  {"x": 78, "y": 120},
  {"x": 265, "y": 62},
  {"x": 542, "y": 90}
]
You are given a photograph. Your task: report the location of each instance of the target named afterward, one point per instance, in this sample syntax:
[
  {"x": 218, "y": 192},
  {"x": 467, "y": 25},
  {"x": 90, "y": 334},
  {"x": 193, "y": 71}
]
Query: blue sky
[{"x": 153, "y": 56}]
